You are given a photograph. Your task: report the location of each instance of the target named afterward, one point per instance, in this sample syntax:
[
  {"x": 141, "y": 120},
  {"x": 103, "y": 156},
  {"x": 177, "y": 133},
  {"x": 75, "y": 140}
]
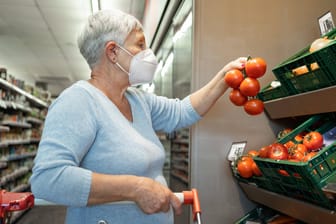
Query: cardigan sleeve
[
  {"x": 171, "y": 114},
  {"x": 68, "y": 133}
]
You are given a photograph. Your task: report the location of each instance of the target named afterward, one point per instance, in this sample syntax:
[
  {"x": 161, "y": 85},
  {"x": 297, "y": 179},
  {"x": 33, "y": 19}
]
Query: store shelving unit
[
  {"x": 22, "y": 116},
  {"x": 180, "y": 156},
  {"x": 32, "y": 99},
  {"x": 306, "y": 212},
  {"x": 313, "y": 102},
  {"x": 166, "y": 142}
]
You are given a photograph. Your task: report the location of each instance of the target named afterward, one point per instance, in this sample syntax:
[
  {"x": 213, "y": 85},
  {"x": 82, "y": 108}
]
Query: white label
[{"x": 237, "y": 150}]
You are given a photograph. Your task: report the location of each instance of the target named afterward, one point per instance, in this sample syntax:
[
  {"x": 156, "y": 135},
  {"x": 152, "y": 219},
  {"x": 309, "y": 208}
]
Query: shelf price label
[{"x": 236, "y": 150}]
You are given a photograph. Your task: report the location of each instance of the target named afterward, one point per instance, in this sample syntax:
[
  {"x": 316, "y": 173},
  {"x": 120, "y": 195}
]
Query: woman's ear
[{"x": 111, "y": 49}]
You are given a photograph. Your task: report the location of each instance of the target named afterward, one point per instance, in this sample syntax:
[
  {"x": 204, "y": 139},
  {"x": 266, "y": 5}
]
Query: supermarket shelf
[
  {"x": 13, "y": 105},
  {"x": 16, "y": 124},
  {"x": 17, "y": 142},
  {"x": 14, "y": 175},
  {"x": 182, "y": 178},
  {"x": 180, "y": 159},
  {"x": 18, "y": 157},
  {"x": 21, "y": 188},
  {"x": 180, "y": 150},
  {"x": 29, "y": 97},
  {"x": 4, "y": 128},
  {"x": 181, "y": 141},
  {"x": 181, "y": 168},
  {"x": 312, "y": 102},
  {"x": 34, "y": 120},
  {"x": 303, "y": 211}
]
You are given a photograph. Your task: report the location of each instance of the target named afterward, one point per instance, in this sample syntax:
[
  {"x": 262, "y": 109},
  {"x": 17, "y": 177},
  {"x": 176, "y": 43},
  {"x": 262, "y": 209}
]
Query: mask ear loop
[
  {"x": 119, "y": 66},
  {"x": 129, "y": 53}
]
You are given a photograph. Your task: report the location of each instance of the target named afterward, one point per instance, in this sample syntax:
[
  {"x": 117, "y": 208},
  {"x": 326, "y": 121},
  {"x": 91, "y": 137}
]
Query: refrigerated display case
[{"x": 173, "y": 80}]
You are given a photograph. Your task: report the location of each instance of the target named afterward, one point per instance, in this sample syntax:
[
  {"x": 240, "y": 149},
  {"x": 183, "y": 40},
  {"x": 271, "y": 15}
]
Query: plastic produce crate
[
  {"x": 303, "y": 180},
  {"x": 258, "y": 215},
  {"x": 271, "y": 93},
  {"x": 323, "y": 76}
]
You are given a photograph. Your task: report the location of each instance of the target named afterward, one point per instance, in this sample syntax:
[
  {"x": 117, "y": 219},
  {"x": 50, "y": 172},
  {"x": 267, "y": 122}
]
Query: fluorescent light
[
  {"x": 184, "y": 28},
  {"x": 95, "y": 5},
  {"x": 167, "y": 64}
]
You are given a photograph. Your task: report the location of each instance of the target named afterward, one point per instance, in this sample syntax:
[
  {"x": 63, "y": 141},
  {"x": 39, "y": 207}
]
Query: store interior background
[{"x": 38, "y": 44}]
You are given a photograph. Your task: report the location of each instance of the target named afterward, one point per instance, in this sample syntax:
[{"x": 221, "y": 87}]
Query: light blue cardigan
[{"x": 84, "y": 132}]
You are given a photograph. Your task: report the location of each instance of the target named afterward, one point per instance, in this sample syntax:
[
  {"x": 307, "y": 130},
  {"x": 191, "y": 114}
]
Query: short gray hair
[{"x": 103, "y": 26}]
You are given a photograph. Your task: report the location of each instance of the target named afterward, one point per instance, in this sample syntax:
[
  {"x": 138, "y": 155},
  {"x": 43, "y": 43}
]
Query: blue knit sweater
[{"x": 84, "y": 132}]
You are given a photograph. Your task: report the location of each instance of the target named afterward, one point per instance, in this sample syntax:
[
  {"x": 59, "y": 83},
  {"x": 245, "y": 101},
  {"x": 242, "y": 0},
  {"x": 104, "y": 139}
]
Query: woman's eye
[{"x": 142, "y": 46}]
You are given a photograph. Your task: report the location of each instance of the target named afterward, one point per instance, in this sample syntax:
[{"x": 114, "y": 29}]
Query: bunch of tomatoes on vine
[
  {"x": 302, "y": 148},
  {"x": 245, "y": 85}
]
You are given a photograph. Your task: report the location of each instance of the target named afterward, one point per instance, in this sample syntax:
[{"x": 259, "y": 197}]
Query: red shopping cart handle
[
  {"x": 191, "y": 198},
  {"x": 12, "y": 201}
]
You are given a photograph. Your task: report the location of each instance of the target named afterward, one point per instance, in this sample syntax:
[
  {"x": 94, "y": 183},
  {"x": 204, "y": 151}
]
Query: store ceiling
[{"x": 38, "y": 38}]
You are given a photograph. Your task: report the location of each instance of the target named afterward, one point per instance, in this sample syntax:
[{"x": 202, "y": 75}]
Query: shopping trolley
[{"x": 11, "y": 202}]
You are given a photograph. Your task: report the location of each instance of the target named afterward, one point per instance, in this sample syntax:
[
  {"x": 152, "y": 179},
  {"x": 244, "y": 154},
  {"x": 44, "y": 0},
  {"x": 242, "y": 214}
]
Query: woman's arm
[
  {"x": 148, "y": 194},
  {"x": 203, "y": 99}
]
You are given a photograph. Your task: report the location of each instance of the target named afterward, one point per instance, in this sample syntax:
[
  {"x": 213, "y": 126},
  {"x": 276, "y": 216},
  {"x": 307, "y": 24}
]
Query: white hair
[{"x": 104, "y": 26}]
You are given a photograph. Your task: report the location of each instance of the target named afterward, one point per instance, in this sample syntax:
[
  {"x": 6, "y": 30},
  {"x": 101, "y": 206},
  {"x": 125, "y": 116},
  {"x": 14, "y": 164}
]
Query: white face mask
[{"x": 142, "y": 67}]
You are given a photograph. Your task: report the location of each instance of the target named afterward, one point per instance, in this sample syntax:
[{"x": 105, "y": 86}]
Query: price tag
[{"x": 237, "y": 150}]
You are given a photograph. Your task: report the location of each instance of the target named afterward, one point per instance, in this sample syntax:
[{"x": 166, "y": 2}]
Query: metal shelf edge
[
  {"x": 312, "y": 102},
  {"x": 301, "y": 210}
]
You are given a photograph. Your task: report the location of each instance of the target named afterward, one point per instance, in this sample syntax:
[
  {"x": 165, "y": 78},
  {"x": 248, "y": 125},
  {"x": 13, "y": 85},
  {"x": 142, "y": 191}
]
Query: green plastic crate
[
  {"x": 259, "y": 214},
  {"x": 270, "y": 93},
  {"x": 322, "y": 77},
  {"x": 303, "y": 180}
]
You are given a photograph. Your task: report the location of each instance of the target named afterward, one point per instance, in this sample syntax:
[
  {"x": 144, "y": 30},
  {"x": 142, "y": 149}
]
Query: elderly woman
[{"x": 99, "y": 142}]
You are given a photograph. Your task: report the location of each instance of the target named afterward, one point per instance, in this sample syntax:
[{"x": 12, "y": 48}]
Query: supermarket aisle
[{"x": 43, "y": 215}]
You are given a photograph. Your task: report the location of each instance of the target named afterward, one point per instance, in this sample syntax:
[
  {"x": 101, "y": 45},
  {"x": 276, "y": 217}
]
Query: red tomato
[
  {"x": 254, "y": 106},
  {"x": 297, "y": 140},
  {"x": 253, "y": 153},
  {"x": 284, "y": 132},
  {"x": 249, "y": 87},
  {"x": 309, "y": 156},
  {"x": 294, "y": 160},
  {"x": 255, "y": 67},
  {"x": 298, "y": 147},
  {"x": 296, "y": 155},
  {"x": 278, "y": 151},
  {"x": 244, "y": 166},
  {"x": 255, "y": 169},
  {"x": 283, "y": 172},
  {"x": 237, "y": 98},
  {"x": 233, "y": 78},
  {"x": 313, "y": 140},
  {"x": 263, "y": 152}
]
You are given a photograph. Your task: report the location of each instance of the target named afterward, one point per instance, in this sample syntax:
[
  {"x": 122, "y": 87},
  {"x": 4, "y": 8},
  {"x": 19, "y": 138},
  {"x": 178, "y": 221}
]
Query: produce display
[
  {"x": 297, "y": 164},
  {"x": 311, "y": 68},
  {"x": 302, "y": 149},
  {"x": 301, "y": 161},
  {"x": 245, "y": 85}
]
